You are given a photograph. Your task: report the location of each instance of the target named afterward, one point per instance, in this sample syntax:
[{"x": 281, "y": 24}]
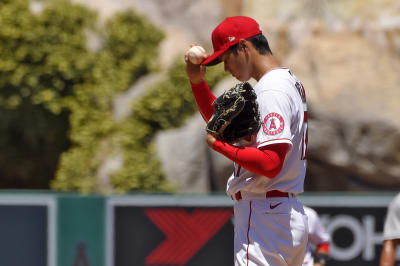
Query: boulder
[
  {"x": 352, "y": 93},
  {"x": 351, "y": 79},
  {"x": 184, "y": 157},
  {"x": 183, "y": 21},
  {"x": 188, "y": 163}
]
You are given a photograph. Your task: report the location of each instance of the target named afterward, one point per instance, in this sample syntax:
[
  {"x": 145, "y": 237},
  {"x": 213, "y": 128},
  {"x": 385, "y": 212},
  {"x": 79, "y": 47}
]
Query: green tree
[
  {"x": 56, "y": 98},
  {"x": 166, "y": 105},
  {"x": 129, "y": 52},
  {"x": 42, "y": 58}
]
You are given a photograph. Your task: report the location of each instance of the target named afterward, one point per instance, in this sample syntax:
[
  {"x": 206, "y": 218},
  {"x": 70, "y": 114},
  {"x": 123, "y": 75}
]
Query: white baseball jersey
[
  {"x": 273, "y": 231},
  {"x": 317, "y": 234},
  {"x": 283, "y": 110},
  {"x": 391, "y": 228}
]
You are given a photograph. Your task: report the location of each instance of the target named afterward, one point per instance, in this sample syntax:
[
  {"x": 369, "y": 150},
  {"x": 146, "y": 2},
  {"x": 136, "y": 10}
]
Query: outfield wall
[{"x": 59, "y": 229}]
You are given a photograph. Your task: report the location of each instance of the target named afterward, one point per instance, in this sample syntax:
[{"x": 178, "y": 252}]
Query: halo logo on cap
[{"x": 228, "y": 33}]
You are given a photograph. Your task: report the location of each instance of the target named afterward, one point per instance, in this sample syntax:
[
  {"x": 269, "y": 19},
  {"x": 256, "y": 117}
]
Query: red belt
[{"x": 269, "y": 194}]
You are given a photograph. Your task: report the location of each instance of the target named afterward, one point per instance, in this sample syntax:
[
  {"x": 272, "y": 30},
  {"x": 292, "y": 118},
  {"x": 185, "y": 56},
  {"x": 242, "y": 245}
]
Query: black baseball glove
[{"x": 236, "y": 114}]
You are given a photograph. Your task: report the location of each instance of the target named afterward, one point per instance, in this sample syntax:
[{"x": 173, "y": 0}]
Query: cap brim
[{"x": 213, "y": 59}]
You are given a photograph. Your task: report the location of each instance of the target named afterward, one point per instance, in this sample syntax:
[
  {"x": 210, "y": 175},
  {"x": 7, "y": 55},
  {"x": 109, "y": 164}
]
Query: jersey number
[{"x": 304, "y": 140}]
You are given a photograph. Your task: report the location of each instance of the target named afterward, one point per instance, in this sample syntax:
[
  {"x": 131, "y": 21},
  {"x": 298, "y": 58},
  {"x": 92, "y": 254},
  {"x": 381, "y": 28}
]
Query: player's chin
[{"x": 241, "y": 78}]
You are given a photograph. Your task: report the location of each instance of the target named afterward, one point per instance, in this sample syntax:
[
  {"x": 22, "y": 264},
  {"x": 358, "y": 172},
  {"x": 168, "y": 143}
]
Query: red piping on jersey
[
  {"x": 305, "y": 116},
  {"x": 248, "y": 238},
  {"x": 275, "y": 140},
  {"x": 204, "y": 99}
]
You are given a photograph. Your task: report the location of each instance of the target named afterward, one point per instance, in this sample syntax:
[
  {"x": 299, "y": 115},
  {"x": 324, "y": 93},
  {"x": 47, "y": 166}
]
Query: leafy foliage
[
  {"x": 56, "y": 97},
  {"x": 165, "y": 105},
  {"x": 93, "y": 129},
  {"x": 42, "y": 58}
]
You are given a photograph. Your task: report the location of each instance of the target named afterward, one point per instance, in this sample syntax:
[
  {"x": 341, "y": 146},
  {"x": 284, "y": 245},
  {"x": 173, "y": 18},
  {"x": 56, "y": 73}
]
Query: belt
[{"x": 269, "y": 194}]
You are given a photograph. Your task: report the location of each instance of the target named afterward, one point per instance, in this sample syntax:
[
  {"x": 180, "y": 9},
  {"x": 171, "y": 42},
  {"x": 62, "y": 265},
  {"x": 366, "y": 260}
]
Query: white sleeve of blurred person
[
  {"x": 318, "y": 240},
  {"x": 391, "y": 233}
]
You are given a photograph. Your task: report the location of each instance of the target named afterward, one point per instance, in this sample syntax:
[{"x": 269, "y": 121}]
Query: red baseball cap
[{"x": 228, "y": 33}]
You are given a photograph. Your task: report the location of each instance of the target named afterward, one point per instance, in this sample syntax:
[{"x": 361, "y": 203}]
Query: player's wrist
[
  {"x": 210, "y": 140},
  {"x": 218, "y": 145},
  {"x": 196, "y": 81}
]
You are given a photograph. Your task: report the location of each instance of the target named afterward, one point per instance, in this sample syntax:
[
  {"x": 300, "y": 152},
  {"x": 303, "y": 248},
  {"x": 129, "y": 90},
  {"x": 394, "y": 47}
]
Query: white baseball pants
[{"x": 269, "y": 231}]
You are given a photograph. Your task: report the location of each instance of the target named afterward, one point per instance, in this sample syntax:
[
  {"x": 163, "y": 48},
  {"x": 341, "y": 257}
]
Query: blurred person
[
  {"x": 391, "y": 233},
  {"x": 81, "y": 258},
  {"x": 269, "y": 166},
  {"x": 317, "y": 252}
]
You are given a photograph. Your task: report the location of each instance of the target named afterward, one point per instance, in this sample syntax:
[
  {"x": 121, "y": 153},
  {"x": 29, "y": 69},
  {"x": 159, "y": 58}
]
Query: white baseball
[{"x": 195, "y": 54}]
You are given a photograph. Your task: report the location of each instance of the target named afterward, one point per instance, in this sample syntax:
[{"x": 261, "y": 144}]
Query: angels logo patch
[{"x": 273, "y": 124}]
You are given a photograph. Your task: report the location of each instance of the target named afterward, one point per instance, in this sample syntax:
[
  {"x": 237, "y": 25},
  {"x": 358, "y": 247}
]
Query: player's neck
[{"x": 263, "y": 64}]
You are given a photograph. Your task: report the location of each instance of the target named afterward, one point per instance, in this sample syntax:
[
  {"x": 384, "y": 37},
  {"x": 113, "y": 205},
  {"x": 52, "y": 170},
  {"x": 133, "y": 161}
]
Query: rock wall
[
  {"x": 183, "y": 21},
  {"x": 353, "y": 94},
  {"x": 346, "y": 53}
]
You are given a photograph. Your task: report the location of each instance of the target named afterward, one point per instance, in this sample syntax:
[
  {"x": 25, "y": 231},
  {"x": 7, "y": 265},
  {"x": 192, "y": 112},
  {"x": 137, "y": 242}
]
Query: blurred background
[{"x": 95, "y": 105}]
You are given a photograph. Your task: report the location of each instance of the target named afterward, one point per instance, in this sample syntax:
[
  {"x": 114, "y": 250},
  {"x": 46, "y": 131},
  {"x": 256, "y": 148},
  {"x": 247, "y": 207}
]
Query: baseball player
[
  {"x": 391, "y": 233},
  {"x": 269, "y": 166},
  {"x": 318, "y": 240}
]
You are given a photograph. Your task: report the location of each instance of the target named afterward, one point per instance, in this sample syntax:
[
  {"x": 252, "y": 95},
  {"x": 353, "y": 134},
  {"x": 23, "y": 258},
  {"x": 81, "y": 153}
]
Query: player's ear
[{"x": 243, "y": 44}]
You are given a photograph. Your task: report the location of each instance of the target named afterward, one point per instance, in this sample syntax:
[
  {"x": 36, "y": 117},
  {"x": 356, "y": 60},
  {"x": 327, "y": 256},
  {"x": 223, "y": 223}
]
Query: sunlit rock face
[
  {"x": 354, "y": 99},
  {"x": 183, "y": 21},
  {"x": 346, "y": 53}
]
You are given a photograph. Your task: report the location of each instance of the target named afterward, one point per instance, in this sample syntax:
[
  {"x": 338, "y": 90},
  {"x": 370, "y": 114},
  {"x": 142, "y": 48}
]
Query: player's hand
[
  {"x": 196, "y": 73},
  {"x": 210, "y": 139}
]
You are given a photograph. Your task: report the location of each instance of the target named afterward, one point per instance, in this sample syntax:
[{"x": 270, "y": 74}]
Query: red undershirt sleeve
[
  {"x": 266, "y": 161},
  {"x": 323, "y": 248},
  {"x": 204, "y": 99}
]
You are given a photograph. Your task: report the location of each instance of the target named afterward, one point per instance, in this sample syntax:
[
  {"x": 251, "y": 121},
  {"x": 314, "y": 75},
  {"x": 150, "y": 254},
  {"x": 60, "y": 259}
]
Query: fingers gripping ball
[
  {"x": 236, "y": 114},
  {"x": 196, "y": 54}
]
